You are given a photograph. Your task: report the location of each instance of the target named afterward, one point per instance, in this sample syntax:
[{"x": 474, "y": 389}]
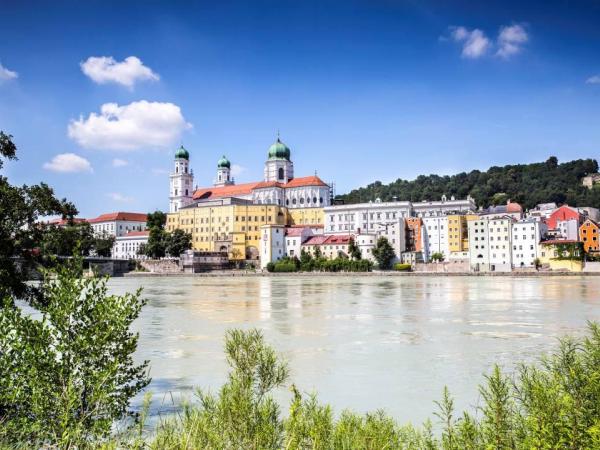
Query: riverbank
[{"x": 243, "y": 273}]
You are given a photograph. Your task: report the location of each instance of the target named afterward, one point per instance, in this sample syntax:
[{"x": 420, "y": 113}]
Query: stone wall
[
  {"x": 443, "y": 267},
  {"x": 161, "y": 265},
  {"x": 592, "y": 267}
]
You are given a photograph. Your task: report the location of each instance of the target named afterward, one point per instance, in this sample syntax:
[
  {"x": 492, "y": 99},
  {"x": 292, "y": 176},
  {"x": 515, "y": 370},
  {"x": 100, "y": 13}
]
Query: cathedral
[{"x": 279, "y": 186}]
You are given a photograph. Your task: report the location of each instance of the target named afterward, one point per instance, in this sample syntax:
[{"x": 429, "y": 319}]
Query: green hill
[{"x": 527, "y": 184}]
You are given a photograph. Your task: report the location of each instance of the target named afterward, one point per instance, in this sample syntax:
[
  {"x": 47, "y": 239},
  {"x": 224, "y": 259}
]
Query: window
[{"x": 280, "y": 176}]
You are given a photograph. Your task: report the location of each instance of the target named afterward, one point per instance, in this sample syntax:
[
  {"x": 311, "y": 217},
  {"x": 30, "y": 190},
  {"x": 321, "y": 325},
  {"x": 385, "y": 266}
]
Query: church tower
[
  {"x": 279, "y": 166},
  {"x": 182, "y": 181},
  {"x": 223, "y": 172}
]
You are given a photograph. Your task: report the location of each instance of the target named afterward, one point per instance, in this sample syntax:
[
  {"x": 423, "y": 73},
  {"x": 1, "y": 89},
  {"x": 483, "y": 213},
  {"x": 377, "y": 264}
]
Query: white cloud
[
  {"x": 68, "y": 163},
  {"x": 236, "y": 170},
  {"x": 593, "y": 79},
  {"x": 119, "y": 162},
  {"x": 511, "y": 40},
  {"x": 6, "y": 74},
  {"x": 104, "y": 69},
  {"x": 137, "y": 125},
  {"x": 119, "y": 197},
  {"x": 474, "y": 42}
]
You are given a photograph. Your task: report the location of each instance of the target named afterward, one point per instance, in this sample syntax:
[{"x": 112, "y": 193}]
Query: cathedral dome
[
  {"x": 182, "y": 153},
  {"x": 223, "y": 162},
  {"x": 279, "y": 150}
]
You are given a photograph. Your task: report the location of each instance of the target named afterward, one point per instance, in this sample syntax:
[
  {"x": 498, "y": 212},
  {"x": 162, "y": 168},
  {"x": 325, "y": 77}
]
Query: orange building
[
  {"x": 589, "y": 234},
  {"x": 414, "y": 234}
]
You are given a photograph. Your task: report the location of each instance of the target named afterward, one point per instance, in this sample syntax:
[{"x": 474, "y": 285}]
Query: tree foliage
[
  {"x": 66, "y": 377},
  {"x": 353, "y": 250},
  {"x": 384, "y": 253},
  {"x": 177, "y": 242},
  {"x": 527, "y": 184},
  {"x": 21, "y": 208}
]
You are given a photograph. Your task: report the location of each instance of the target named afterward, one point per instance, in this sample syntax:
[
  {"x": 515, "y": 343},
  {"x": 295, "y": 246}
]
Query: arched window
[
  {"x": 287, "y": 202},
  {"x": 186, "y": 192},
  {"x": 320, "y": 199},
  {"x": 301, "y": 200},
  {"x": 176, "y": 169},
  {"x": 314, "y": 199},
  {"x": 175, "y": 191},
  {"x": 281, "y": 173},
  {"x": 293, "y": 201}
]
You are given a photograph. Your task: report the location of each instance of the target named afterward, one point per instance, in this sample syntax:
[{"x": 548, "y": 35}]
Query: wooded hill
[{"x": 527, "y": 184}]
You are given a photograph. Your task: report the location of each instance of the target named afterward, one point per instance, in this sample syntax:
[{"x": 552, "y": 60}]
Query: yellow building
[
  {"x": 229, "y": 224},
  {"x": 458, "y": 237},
  {"x": 306, "y": 216},
  {"x": 562, "y": 255}
]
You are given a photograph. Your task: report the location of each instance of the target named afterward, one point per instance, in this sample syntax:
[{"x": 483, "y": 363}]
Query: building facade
[
  {"x": 118, "y": 223},
  {"x": 589, "y": 235},
  {"x": 526, "y": 237},
  {"x": 128, "y": 245}
]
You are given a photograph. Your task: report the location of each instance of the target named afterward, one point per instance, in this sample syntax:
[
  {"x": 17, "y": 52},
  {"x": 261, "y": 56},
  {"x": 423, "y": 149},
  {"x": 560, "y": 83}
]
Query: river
[{"x": 360, "y": 342}]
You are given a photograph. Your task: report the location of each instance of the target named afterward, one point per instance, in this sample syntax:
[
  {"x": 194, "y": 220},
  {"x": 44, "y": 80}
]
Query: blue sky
[{"x": 360, "y": 90}]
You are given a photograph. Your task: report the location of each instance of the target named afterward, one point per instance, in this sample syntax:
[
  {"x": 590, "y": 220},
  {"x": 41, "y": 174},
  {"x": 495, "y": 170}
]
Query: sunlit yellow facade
[
  {"x": 306, "y": 216},
  {"x": 226, "y": 226},
  {"x": 458, "y": 239}
]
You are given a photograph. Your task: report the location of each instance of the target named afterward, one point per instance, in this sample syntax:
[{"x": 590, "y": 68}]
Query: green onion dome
[
  {"x": 223, "y": 162},
  {"x": 279, "y": 150},
  {"x": 182, "y": 153}
]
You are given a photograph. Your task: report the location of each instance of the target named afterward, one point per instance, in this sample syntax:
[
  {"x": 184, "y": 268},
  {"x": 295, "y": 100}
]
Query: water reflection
[{"x": 361, "y": 342}]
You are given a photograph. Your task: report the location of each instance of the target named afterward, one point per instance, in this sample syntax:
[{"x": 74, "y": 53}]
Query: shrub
[
  {"x": 284, "y": 266},
  {"x": 271, "y": 266},
  {"x": 402, "y": 267}
]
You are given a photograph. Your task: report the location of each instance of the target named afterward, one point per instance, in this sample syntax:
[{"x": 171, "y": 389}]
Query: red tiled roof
[
  {"x": 316, "y": 240},
  {"x": 268, "y": 184},
  {"x": 224, "y": 191},
  {"x": 294, "y": 232},
  {"x": 308, "y": 225},
  {"x": 338, "y": 239},
  {"x": 305, "y": 181},
  {"x": 247, "y": 188},
  {"x": 65, "y": 221},
  {"x": 111, "y": 217},
  {"x": 137, "y": 233},
  {"x": 559, "y": 241}
]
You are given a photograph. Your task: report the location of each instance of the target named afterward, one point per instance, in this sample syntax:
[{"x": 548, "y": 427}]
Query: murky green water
[{"x": 360, "y": 342}]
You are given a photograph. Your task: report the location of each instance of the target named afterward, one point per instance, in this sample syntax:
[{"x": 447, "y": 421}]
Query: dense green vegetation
[
  {"x": 527, "y": 184},
  {"x": 308, "y": 263},
  {"x": 162, "y": 243},
  {"x": 383, "y": 253},
  {"x": 401, "y": 267}
]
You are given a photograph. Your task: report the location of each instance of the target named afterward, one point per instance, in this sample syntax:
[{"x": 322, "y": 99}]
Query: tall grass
[{"x": 553, "y": 404}]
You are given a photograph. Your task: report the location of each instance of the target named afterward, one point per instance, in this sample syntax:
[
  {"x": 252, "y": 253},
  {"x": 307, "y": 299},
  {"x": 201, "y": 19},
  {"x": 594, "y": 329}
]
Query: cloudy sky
[{"x": 99, "y": 94}]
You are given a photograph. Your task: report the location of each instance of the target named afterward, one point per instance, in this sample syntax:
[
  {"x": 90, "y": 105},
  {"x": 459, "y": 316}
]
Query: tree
[
  {"x": 383, "y": 253},
  {"x": 20, "y": 233},
  {"x": 66, "y": 377},
  {"x": 177, "y": 242},
  {"x": 353, "y": 250},
  {"x": 103, "y": 244},
  {"x": 318, "y": 252},
  {"x": 68, "y": 239},
  {"x": 156, "y": 247},
  {"x": 437, "y": 256}
]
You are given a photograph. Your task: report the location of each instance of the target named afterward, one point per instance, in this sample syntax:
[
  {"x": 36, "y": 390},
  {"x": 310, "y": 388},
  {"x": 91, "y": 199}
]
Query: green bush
[
  {"x": 284, "y": 266},
  {"x": 402, "y": 267},
  {"x": 271, "y": 266}
]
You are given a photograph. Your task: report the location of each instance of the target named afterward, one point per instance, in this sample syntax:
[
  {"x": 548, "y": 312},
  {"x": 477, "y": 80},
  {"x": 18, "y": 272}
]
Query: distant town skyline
[{"x": 98, "y": 95}]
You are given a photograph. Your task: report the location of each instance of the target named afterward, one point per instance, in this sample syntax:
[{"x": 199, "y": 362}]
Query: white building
[
  {"x": 435, "y": 236},
  {"x": 567, "y": 229},
  {"x": 443, "y": 207},
  {"x": 128, "y": 245},
  {"x": 364, "y": 217},
  {"x": 181, "y": 181},
  {"x": 526, "y": 236},
  {"x": 294, "y": 238},
  {"x": 118, "y": 223},
  {"x": 272, "y": 244},
  {"x": 490, "y": 244},
  {"x": 366, "y": 243}
]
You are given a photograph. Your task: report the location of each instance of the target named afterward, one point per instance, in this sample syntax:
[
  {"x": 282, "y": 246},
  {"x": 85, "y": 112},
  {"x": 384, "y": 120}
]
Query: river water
[{"x": 360, "y": 342}]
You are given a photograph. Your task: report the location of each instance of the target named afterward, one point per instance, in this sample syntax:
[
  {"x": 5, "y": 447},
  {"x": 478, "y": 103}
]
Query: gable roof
[
  {"x": 315, "y": 240},
  {"x": 305, "y": 181},
  {"x": 111, "y": 217},
  {"x": 565, "y": 212},
  {"x": 342, "y": 239},
  {"x": 231, "y": 190}
]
